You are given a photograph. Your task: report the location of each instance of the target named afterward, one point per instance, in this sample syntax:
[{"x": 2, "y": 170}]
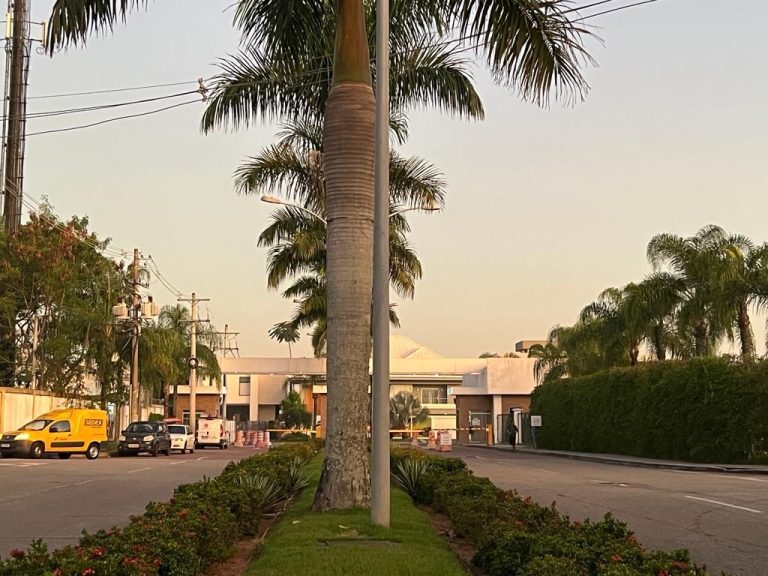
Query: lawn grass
[{"x": 296, "y": 547}]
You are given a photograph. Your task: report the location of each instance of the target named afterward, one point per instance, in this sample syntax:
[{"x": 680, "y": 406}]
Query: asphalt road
[
  {"x": 57, "y": 499},
  {"x": 722, "y": 518}
]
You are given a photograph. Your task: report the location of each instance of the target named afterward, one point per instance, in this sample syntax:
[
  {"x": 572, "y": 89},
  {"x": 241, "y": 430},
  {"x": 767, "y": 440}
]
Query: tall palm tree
[{"x": 533, "y": 46}]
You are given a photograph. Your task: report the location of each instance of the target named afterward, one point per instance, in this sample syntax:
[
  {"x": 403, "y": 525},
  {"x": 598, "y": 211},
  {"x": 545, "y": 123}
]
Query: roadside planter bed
[
  {"x": 514, "y": 536},
  {"x": 197, "y": 528}
]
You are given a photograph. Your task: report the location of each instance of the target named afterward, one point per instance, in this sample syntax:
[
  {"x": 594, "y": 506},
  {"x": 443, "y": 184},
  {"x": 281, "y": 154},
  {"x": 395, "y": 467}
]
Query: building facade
[{"x": 463, "y": 395}]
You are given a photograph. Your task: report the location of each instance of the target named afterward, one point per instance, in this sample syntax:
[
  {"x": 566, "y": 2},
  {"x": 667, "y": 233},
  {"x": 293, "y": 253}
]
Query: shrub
[
  {"x": 184, "y": 536},
  {"x": 408, "y": 474},
  {"x": 515, "y": 536},
  {"x": 294, "y": 437},
  {"x": 636, "y": 411}
]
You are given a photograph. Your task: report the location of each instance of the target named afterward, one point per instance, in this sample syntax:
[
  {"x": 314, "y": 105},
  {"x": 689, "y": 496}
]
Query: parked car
[
  {"x": 63, "y": 432},
  {"x": 210, "y": 432},
  {"x": 182, "y": 438},
  {"x": 152, "y": 437}
]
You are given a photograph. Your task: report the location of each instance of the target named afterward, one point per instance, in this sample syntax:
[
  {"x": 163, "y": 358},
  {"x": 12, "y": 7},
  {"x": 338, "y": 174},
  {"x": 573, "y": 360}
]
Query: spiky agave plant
[{"x": 408, "y": 474}]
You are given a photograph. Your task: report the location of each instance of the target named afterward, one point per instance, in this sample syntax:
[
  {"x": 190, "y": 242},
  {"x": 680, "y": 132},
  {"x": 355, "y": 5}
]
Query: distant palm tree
[
  {"x": 405, "y": 411},
  {"x": 293, "y": 168}
]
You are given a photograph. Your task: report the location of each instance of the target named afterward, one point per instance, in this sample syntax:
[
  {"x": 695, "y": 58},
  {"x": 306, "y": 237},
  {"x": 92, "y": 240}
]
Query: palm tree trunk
[
  {"x": 700, "y": 338},
  {"x": 745, "y": 332},
  {"x": 348, "y": 140},
  {"x": 658, "y": 342}
]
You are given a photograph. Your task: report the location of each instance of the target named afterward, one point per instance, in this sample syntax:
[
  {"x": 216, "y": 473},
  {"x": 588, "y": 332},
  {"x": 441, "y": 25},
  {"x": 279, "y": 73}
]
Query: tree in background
[
  {"x": 57, "y": 298},
  {"x": 293, "y": 412},
  {"x": 405, "y": 410}
]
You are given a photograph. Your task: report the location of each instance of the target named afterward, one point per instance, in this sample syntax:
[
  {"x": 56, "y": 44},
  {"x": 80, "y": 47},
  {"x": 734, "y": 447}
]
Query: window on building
[
  {"x": 245, "y": 386},
  {"x": 432, "y": 396}
]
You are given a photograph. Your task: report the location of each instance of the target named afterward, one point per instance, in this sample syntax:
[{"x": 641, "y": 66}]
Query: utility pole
[
  {"x": 17, "y": 64},
  {"x": 134, "y": 413},
  {"x": 225, "y": 341},
  {"x": 193, "y": 362}
]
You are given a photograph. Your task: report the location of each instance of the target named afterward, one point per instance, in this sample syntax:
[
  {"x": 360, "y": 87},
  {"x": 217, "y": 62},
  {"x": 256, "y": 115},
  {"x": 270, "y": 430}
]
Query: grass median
[{"x": 345, "y": 542}]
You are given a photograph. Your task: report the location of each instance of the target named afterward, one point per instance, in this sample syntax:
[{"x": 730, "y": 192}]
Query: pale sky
[{"x": 545, "y": 208}]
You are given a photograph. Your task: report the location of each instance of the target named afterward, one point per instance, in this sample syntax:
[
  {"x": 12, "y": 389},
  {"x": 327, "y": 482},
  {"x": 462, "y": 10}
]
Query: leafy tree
[
  {"x": 405, "y": 410},
  {"x": 58, "y": 290},
  {"x": 294, "y": 412},
  {"x": 533, "y": 46}
]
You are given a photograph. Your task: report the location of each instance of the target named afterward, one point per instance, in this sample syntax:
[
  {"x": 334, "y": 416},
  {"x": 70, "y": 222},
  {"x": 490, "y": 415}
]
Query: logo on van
[{"x": 93, "y": 422}]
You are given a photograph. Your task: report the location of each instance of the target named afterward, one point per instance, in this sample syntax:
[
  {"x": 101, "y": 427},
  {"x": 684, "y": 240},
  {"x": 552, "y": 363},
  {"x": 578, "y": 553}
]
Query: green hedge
[
  {"x": 704, "y": 410},
  {"x": 515, "y": 536},
  {"x": 197, "y": 528}
]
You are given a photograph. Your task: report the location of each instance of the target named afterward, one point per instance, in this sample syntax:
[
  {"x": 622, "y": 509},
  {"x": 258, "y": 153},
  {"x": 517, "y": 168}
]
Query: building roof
[{"x": 404, "y": 348}]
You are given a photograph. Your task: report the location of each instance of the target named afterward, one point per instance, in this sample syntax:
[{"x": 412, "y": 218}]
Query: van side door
[{"x": 61, "y": 436}]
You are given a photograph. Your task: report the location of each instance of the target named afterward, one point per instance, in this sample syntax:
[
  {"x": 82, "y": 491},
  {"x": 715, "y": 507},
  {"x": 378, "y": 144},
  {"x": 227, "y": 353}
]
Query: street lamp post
[{"x": 380, "y": 501}]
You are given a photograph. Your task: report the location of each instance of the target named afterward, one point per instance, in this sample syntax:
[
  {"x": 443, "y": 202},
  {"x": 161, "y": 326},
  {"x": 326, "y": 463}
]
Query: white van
[{"x": 210, "y": 432}]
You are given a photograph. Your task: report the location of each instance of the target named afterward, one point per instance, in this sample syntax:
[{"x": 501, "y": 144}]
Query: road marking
[
  {"x": 82, "y": 482},
  {"x": 138, "y": 470},
  {"x": 725, "y": 504},
  {"x": 22, "y": 465},
  {"x": 202, "y": 457},
  {"x": 179, "y": 462},
  {"x": 600, "y": 481},
  {"x": 481, "y": 458},
  {"x": 726, "y": 476}
]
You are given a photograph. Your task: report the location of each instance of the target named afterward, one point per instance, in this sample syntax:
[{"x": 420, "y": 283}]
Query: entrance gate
[{"x": 478, "y": 424}]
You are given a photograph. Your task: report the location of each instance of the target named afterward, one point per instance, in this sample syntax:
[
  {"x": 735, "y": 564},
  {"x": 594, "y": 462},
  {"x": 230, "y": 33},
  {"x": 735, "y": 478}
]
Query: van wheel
[
  {"x": 93, "y": 451},
  {"x": 37, "y": 450},
  {"x": 64, "y": 456}
]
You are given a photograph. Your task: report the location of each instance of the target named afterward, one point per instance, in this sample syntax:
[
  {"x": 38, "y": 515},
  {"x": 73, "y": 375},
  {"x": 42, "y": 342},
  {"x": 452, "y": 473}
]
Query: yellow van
[{"x": 63, "y": 432}]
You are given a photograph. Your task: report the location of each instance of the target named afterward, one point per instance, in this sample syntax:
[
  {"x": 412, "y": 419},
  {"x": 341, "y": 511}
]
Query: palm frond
[
  {"x": 72, "y": 21},
  {"x": 531, "y": 45}
]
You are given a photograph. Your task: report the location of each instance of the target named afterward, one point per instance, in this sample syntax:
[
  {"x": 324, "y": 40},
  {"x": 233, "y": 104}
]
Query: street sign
[{"x": 536, "y": 421}]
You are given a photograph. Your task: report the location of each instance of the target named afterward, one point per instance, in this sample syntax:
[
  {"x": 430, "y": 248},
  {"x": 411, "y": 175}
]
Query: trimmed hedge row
[
  {"x": 703, "y": 410},
  {"x": 183, "y": 537},
  {"x": 515, "y": 536}
]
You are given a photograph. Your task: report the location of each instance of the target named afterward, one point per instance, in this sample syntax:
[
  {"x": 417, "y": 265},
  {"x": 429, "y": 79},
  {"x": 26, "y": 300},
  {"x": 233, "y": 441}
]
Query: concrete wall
[{"x": 19, "y": 406}]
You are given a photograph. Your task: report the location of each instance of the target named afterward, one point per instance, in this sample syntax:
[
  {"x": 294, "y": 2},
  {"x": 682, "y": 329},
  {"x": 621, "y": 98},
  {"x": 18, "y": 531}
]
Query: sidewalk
[{"x": 634, "y": 460}]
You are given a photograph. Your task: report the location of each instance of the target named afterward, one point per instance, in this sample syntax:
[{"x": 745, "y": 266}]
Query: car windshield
[
  {"x": 177, "y": 429},
  {"x": 140, "y": 427},
  {"x": 36, "y": 425}
]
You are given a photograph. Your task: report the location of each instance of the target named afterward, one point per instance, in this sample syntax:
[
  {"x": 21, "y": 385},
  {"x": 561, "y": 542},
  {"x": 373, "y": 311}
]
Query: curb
[{"x": 635, "y": 463}]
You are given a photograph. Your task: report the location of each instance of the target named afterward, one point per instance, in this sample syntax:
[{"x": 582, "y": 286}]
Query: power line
[
  {"x": 108, "y": 120},
  {"x": 49, "y": 113},
  {"x": 615, "y": 10},
  {"x": 163, "y": 280},
  {"x": 113, "y": 90},
  {"x": 36, "y": 207},
  {"x": 264, "y": 82}
]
